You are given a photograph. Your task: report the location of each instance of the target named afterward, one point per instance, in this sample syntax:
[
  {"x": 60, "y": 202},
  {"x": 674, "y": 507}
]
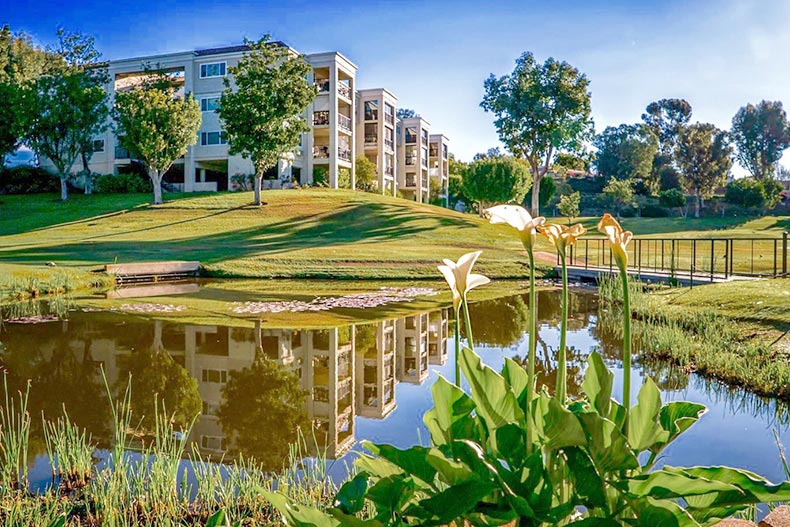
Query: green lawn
[{"x": 310, "y": 233}]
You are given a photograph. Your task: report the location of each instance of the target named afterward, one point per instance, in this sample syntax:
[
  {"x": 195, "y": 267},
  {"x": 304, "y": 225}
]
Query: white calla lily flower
[
  {"x": 460, "y": 278},
  {"x": 520, "y": 219}
]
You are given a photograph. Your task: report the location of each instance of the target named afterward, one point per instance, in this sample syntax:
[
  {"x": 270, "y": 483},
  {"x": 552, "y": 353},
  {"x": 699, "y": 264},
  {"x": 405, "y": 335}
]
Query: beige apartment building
[
  {"x": 438, "y": 164},
  {"x": 345, "y": 123},
  {"x": 413, "y": 158}
]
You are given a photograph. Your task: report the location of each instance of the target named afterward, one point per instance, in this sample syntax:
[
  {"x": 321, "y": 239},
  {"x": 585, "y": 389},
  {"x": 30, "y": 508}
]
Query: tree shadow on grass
[{"x": 351, "y": 223}]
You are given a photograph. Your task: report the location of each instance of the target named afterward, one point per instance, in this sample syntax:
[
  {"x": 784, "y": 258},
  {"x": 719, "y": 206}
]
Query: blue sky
[{"x": 434, "y": 56}]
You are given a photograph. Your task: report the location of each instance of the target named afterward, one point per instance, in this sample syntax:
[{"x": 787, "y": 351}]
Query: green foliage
[
  {"x": 366, "y": 178},
  {"x": 753, "y": 193},
  {"x": 569, "y": 205},
  {"x": 343, "y": 178},
  {"x": 406, "y": 113},
  {"x": 627, "y": 152},
  {"x": 539, "y": 109},
  {"x": 498, "y": 180},
  {"x": 572, "y": 161},
  {"x": 704, "y": 156},
  {"x": 156, "y": 125},
  {"x": 26, "y": 180},
  {"x": 262, "y": 106},
  {"x": 619, "y": 193},
  {"x": 129, "y": 183},
  {"x": 761, "y": 134},
  {"x": 666, "y": 119},
  {"x": 546, "y": 191},
  {"x": 672, "y": 198}
]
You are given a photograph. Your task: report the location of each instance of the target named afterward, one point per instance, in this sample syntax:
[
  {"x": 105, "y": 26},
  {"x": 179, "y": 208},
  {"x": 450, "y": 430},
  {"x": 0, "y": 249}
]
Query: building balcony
[
  {"x": 344, "y": 123},
  {"x": 390, "y": 144},
  {"x": 322, "y": 85},
  {"x": 411, "y": 180},
  {"x": 344, "y": 90},
  {"x": 424, "y": 163},
  {"x": 433, "y": 151},
  {"x": 321, "y": 118},
  {"x": 411, "y": 160},
  {"x": 389, "y": 119},
  {"x": 344, "y": 153},
  {"x": 371, "y": 140},
  {"x": 321, "y": 152},
  {"x": 424, "y": 181}
]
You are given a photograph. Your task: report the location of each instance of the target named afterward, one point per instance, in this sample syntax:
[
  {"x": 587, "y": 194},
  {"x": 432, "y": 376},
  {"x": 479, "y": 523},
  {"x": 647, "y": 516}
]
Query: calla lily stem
[
  {"x": 561, "y": 388},
  {"x": 533, "y": 342},
  {"x": 626, "y": 341},
  {"x": 470, "y": 341},
  {"x": 457, "y": 348}
]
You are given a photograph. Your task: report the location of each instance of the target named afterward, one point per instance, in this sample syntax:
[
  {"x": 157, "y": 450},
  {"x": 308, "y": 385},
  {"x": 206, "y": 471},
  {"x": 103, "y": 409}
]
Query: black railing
[{"x": 701, "y": 257}]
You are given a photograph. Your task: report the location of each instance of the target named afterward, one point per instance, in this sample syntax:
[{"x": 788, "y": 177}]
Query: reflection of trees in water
[
  {"x": 546, "y": 367},
  {"x": 365, "y": 338},
  {"x": 158, "y": 379},
  {"x": 668, "y": 377},
  {"x": 263, "y": 409},
  {"x": 499, "y": 322}
]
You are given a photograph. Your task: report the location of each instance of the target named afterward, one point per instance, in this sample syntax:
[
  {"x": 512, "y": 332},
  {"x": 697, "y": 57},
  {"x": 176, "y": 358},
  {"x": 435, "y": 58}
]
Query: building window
[
  {"x": 209, "y": 104},
  {"x": 371, "y": 134},
  {"x": 214, "y": 69},
  {"x": 372, "y": 110},
  {"x": 213, "y": 138},
  {"x": 411, "y": 134},
  {"x": 98, "y": 145},
  {"x": 444, "y": 151},
  {"x": 215, "y": 376},
  {"x": 389, "y": 114},
  {"x": 212, "y": 442}
]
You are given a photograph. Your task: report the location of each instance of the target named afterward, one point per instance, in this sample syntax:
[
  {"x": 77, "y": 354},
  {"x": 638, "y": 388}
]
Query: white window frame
[
  {"x": 103, "y": 145},
  {"x": 206, "y": 98},
  {"x": 204, "y": 138},
  {"x": 224, "y": 64}
]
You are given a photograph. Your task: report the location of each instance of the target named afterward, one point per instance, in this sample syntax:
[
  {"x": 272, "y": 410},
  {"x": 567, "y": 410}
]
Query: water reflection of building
[{"x": 412, "y": 338}]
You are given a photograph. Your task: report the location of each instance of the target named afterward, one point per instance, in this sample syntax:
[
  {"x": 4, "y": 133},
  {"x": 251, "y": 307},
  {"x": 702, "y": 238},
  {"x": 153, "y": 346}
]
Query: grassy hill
[{"x": 300, "y": 233}]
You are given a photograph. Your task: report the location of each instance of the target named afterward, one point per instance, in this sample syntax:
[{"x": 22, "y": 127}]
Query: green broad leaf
[
  {"x": 451, "y": 416},
  {"x": 350, "y": 499},
  {"x": 675, "y": 418},
  {"x": 588, "y": 483},
  {"x": 607, "y": 446},
  {"x": 376, "y": 466},
  {"x": 617, "y": 414},
  {"x": 643, "y": 426},
  {"x": 392, "y": 495},
  {"x": 516, "y": 377},
  {"x": 413, "y": 460},
  {"x": 596, "y": 522},
  {"x": 672, "y": 484},
  {"x": 456, "y": 501},
  {"x": 450, "y": 471},
  {"x": 597, "y": 384},
  {"x": 494, "y": 400},
  {"x": 752, "y": 488},
  {"x": 298, "y": 515},
  {"x": 217, "y": 519},
  {"x": 660, "y": 513},
  {"x": 349, "y": 520},
  {"x": 511, "y": 444},
  {"x": 557, "y": 426}
]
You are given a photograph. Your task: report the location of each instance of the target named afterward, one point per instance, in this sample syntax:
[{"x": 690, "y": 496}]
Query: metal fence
[{"x": 712, "y": 257}]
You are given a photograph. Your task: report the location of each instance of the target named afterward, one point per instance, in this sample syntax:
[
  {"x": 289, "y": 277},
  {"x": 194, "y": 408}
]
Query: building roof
[{"x": 231, "y": 49}]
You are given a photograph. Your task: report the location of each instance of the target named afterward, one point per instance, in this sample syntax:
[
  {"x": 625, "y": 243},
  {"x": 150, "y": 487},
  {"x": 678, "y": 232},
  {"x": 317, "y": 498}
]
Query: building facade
[{"x": 413, "y": 158}]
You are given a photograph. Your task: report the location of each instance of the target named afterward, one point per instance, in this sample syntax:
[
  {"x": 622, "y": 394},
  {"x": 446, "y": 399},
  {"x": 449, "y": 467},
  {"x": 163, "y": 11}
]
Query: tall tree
[
  {"x": 704, "y": 156},
  {"x": 761, "y": 134},
  {"x": 497, "y": 180},
  {"x": 666, "y": 118},
  {"x": 157, "y": 125},
  {"x": 21, "y": 62},
  {"x": 262, "y": 108},
  {"x": 540, "y": 109},
  {"x": 65, "y": 109},
  {"x": 627, "y": 152}
]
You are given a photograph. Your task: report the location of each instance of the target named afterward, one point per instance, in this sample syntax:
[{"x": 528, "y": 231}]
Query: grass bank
[{"x": 736, "y": 332}]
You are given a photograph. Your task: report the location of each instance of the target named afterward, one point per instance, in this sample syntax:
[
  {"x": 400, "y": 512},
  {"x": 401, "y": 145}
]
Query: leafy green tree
[
  {"x": 262, "y": 106},
  {"x": 619, "y": 193},
  {"x": 546, "y": 192},
  {"x": 761, "y": 134},
  {"x": 540, "y": 109},
  {"x": 21, "y": 62},
  {"x": 67, "y": 108},
  {"x": 666, "y": 118},
  {"x": 569, "y": 206},
  {"x": 565, "y": 161},
  {"x": 499, "y": 180},
  {"x": 627, "y": 152},
  {"x": 491, "y": 153},
  {"x": 753, "y": 193},
  {"x": 366, "y": 174},
  {"x": 405, "y": 113},
  {"x": 673, "y": 199},
  {"x": 157, "y": 125},
  {"x": 704, "y": 156}
]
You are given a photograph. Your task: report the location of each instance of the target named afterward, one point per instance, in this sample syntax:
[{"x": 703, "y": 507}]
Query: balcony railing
[
  {"x": 390, "y": 171},
  {"x": 411, "y": 180},
  {"x": 411, "y": 138},
  {"x": 433, "y": 152},
  {"x": 321, "y": 118},
  {"x": 389, "y": 119},
  {"x": 322, "y": 85},
  {"x": 344, "y": 90},
  {"x": 344, "y": 153},
  {"x": 321, "y": 152},
  {"x": 389, "y": 143},
  {"x": 424, "y": 181},
  {"x": 411, "y": 160},
  {"x": 371, "y": 140},
  {"x": 344, "y": 122}
]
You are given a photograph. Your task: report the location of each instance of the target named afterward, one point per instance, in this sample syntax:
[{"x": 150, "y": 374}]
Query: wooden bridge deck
[
  {"x": 153, "y": 271},
  {"x": 579, "y": 273}
]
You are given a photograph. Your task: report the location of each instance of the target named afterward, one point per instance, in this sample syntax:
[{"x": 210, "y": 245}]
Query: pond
[{"x": 255, "y": 387}]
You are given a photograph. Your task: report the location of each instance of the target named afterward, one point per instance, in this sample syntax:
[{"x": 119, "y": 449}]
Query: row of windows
[{"x": 213, "y": 69}]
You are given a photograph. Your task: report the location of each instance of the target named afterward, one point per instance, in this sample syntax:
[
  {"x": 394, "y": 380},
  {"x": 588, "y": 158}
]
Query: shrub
[
  {"x": 672, "y": 198},
  {"x": 122, "y": 184},
  {"x": 654, "y": 210},
  {"x": 753, "y": 194},
  {"x": 569, "y": 205},
  {"x": 243, "y": 181},
  {"x": 27, "y": 180}
]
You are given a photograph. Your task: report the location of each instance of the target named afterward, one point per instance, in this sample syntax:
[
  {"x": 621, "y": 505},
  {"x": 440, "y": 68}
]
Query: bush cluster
[
  {"x": 27, "y": 180},
  {"x": 122, "y": 184}
]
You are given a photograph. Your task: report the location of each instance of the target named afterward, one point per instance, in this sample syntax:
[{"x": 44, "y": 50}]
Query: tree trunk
[
  {"x": 536, "y": 194},
  {"x": 258, "y": 182},
  {"x": 64, "y": 190},
  {"x": 87, "y": 172},
  {"x": 156, "y": 180},
  {"x": 699, "y": 205}
]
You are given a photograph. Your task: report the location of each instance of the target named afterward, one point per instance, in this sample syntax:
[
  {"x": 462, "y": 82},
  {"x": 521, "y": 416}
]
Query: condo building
[
  {"x": 344, "y": 122},
  {"x": 438, "y": 163}
]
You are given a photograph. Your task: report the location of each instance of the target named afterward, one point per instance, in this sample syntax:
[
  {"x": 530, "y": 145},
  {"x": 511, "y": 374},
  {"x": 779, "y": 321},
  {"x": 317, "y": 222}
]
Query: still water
[{"x": 254, "y": 388}]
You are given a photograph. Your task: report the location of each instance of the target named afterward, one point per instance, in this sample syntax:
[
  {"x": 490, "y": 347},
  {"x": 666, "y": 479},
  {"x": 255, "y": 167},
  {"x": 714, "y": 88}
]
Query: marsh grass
[
  {"x": 149, "y": 477},
  {"x": 699, "y": 340}
]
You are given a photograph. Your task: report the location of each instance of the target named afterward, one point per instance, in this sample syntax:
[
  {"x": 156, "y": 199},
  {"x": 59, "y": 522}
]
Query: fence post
[
  {"x": 712, "y": 256},
  {"x": 784, "y": 254},
  {"x": 693, "y": 262}
]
